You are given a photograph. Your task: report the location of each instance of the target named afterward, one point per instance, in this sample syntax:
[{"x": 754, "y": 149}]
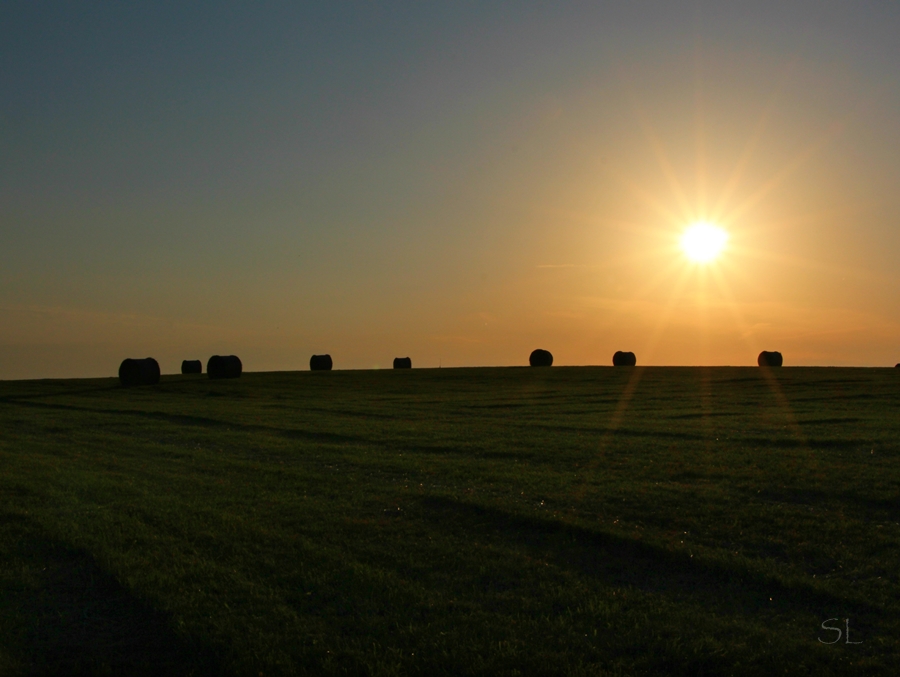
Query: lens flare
[{"x": 703, "y": 242}]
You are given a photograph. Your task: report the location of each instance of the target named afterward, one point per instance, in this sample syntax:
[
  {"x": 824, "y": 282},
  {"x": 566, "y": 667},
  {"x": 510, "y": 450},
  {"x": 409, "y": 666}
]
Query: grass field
[{"x": 584, "y": 521}]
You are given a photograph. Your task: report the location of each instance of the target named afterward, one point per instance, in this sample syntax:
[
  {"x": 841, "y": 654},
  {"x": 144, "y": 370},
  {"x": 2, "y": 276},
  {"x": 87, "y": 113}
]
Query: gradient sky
[{"x": 457, "y": 182}]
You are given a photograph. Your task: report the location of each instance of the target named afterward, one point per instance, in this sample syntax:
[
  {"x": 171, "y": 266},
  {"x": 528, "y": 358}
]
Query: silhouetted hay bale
[
  {"x": 320, "y": 363},
  {"x": 897, "y": 365},
  {"x": 623, "y": 359},
  {"x": 540, "y": 358},
  {"x": 139, "y": 372},
  {"x": 402, "y": 363},
  {"x": 224, "y": 366},
  {"x": 191, "y": 367},
  {"x": 769, "y": 359}
]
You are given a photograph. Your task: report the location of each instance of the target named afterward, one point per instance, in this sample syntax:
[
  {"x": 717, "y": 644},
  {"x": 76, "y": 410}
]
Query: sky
[{"x": 459, "y": 182}]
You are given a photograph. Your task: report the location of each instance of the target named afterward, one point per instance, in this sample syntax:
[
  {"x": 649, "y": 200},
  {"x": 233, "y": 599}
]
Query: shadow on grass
[
  {"x": 201, "y": 422},
  {"x": 59, "y": 384},
  {"x": 732, "y": 587},
  {"x": 887, "y": 509},
  {"x": 61, "y": 614},
  {"x": 319, "y": 437},
  {"x": 748, "y": 441}
]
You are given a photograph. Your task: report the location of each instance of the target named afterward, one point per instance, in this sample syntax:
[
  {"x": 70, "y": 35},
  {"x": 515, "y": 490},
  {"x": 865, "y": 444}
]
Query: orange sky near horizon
[{"x": 459, "y": 199}]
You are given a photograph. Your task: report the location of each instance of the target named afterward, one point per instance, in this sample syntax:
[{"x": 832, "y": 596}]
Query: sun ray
[
  {"x": 831, "y": 268},
  {"x": 664, "y": 164},
  {"x": 700, "y": 132},
  {"x": 732, "y": 304},
  {"x": 784, "y": 406},
  {"x": 649, "y": 200},
  {"x": 650, "y": 344},
  {"x": 612, "y": 425},
  {"x": 772, "y": 382},
  {"x": 713, "y": 220},
  {"x": 783, "y": 174},
  {"x": 833, "y": 130},
  {"x": 651, "y": 284},
  {"x": 749, "y": 149}
]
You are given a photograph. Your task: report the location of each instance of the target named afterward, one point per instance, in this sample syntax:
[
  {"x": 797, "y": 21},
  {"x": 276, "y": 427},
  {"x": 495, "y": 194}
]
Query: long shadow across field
[
  {"x": 62, "y": 614},
  {"x": 289, "y": 433},
  {"x": 199, "y": 421},
  {"x": 621, "y": 562}
]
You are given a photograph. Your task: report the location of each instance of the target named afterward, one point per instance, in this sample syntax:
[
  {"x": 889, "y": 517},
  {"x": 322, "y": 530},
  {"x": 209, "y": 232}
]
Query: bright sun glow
[{"x": 703, "y": 242}]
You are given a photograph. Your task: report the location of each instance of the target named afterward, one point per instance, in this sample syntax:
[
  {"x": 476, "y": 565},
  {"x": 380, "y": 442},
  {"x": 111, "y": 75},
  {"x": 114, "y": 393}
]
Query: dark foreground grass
[{"x": 584, "y": 521}]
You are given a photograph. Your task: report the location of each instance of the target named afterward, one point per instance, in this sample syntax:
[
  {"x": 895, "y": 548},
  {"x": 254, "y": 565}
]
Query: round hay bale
[
  {"x": 624, "y": 359},
  {"x": 402, "y": 363},
  {"x": 224, "y": 366},
  {"x": 143, "y": 372},
  {"x": 191, "y": 367},
  {"x": 540, "y": 358},
  {"x": 769, "y": 359},
  {"x": 320, "y": 363}
]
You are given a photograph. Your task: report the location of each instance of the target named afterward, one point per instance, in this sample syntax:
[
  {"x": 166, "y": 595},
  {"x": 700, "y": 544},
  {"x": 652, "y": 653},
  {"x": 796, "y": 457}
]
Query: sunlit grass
[{"x": 491, "y": 521}]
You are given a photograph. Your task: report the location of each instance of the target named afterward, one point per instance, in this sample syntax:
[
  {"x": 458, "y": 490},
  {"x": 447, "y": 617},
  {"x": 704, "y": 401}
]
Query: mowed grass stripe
[{"x": 465, "y": 521}]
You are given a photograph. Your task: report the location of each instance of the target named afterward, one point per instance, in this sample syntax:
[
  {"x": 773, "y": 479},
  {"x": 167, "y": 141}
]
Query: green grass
[{"x": 584, "y": 521}]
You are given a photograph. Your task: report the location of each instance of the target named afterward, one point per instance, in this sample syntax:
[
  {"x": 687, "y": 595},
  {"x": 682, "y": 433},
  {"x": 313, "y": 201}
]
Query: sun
[{"x": 703, "y": 242}]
